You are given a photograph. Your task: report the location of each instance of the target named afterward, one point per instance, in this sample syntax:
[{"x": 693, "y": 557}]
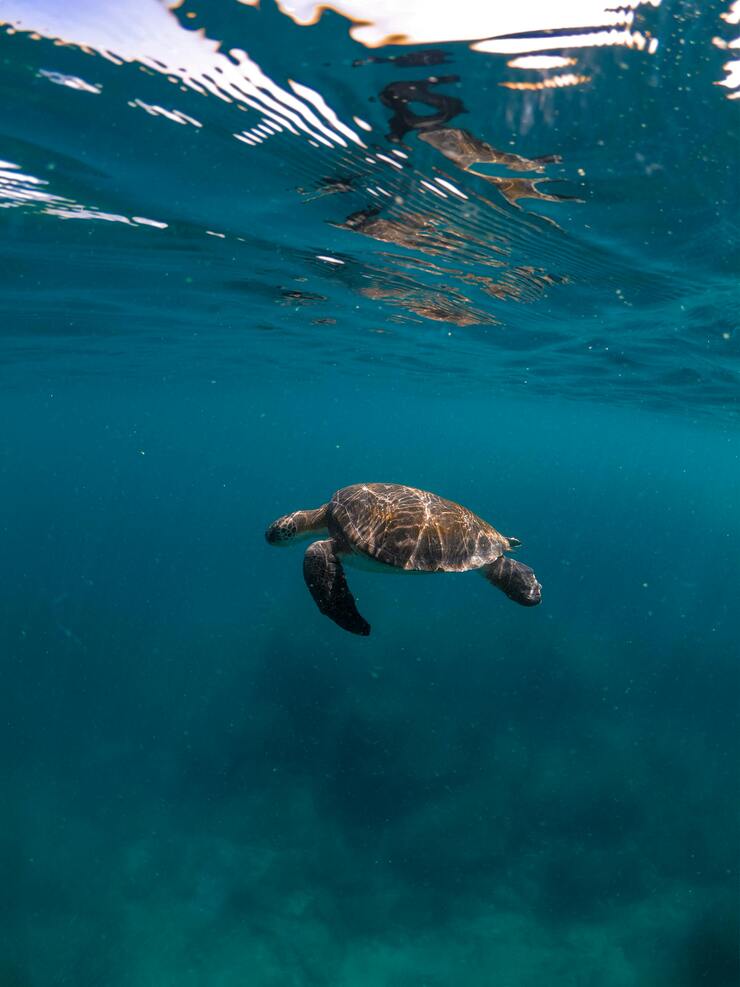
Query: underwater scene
[{"x": 298, "y": 300}]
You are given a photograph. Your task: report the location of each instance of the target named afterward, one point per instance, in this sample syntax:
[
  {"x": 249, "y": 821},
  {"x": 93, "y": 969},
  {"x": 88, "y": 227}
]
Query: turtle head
[
  {"x": 297, "y": 526},
  {"x": 282, "y": 531},
  {"x": 515, "y": 579}
]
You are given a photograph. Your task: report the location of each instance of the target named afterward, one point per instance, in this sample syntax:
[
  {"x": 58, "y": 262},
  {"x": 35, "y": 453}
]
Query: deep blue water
[{"x": 206, "y": 783}]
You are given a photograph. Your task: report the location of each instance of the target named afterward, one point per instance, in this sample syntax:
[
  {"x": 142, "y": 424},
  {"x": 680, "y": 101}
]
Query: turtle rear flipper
[{"x": 327, "y": 584}]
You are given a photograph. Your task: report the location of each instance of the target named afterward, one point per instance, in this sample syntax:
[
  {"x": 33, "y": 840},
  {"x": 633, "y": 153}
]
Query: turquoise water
[{"x": 206, "y": 782}]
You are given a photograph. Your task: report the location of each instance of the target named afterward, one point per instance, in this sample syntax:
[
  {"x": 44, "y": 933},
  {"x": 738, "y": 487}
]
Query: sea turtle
[{"x": 397, "y": 527}]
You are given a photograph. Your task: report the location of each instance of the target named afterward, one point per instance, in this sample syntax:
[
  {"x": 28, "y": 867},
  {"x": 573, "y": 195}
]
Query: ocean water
[{"x": 248, "y": 260}]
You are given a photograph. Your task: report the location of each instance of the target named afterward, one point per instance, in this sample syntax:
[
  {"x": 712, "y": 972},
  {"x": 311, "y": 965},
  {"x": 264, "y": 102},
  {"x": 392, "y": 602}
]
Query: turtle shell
[{"x": 412, "y": 529}]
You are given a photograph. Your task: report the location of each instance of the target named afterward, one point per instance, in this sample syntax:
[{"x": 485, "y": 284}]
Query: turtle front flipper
[
  {"x": 325, "y": 579},
  {"x": 515, "y": 579}
]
